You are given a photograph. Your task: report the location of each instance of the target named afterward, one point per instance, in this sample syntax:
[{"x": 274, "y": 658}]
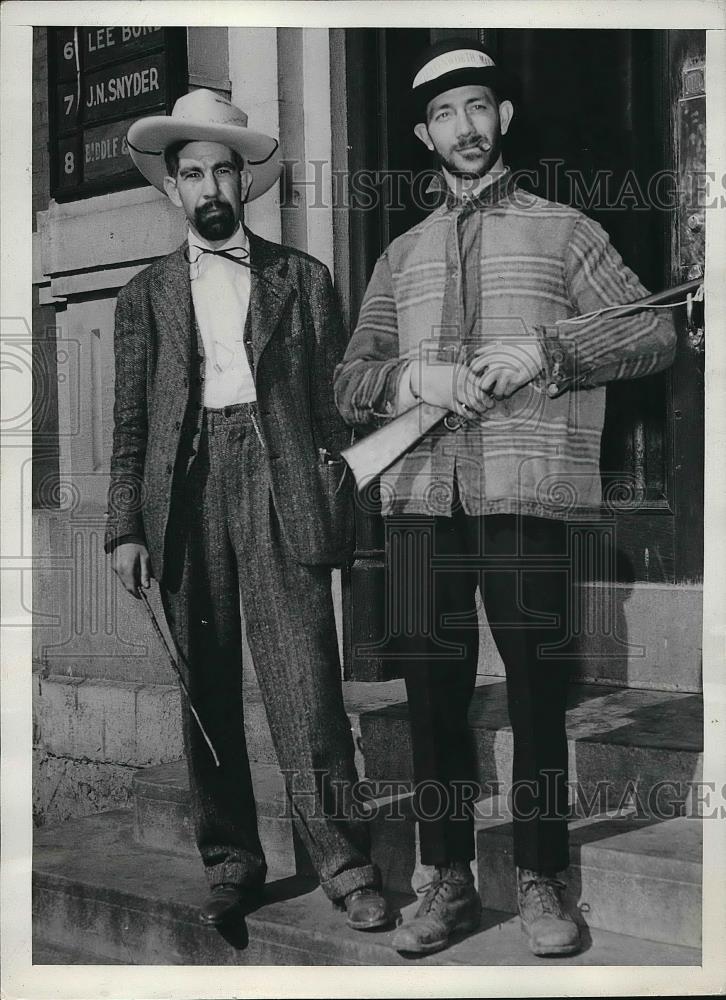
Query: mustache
[
  {"x": 481, "y": 142},
  {"x": 214, "y": 206}
]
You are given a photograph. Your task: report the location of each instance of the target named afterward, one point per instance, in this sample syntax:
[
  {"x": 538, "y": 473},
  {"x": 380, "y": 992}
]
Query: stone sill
[{"x": 97, "y": 244}]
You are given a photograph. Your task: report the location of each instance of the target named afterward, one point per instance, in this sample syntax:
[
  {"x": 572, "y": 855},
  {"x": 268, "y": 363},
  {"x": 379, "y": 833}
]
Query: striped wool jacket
[{"x": 536, "y": 264}]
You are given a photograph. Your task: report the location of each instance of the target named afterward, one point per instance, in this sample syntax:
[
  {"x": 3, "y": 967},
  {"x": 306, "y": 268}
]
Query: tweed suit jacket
[{"x": 294, "y": 337}]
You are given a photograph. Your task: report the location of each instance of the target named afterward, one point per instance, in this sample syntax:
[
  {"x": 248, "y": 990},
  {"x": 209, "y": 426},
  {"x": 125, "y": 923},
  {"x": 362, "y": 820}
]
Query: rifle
[{"x": 376, "y": 452}]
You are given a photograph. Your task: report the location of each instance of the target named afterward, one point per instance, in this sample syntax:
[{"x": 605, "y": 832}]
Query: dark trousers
[
  {"x": 519, "y": 564},
  {"x": 224, "y": 545}
]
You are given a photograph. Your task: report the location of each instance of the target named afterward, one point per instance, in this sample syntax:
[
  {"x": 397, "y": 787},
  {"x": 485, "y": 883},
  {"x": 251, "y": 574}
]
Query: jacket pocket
[{"x": 335, "y": 479}]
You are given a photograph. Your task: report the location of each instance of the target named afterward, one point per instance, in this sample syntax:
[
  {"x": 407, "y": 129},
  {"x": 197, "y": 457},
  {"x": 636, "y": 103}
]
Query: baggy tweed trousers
[{"x": 223, "y": 545}]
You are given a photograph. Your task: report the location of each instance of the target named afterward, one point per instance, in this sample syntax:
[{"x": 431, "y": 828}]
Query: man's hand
[
  {"x": 451, "y": 386},
  {"x": 505, "y": 366},
  {"x": 131, "y": 563}
]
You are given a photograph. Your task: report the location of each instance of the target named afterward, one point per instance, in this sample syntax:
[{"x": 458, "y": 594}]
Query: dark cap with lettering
[{"x": 455, "y": 62}]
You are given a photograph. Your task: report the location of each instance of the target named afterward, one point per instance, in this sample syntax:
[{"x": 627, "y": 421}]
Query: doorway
[{"x": 598, "y": 122}]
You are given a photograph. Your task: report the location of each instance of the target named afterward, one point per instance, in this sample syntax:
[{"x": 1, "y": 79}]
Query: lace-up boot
[
  {"x": 550, "y": 929},
  {"x": 450, "y": 906}
]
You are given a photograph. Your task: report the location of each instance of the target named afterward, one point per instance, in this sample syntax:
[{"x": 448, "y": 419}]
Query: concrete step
[
  {"x": 630, "y": 874},
  {"x": 162, "y": 816},
  {"x": 621, "y": 741},
  {"x": 96, "y": 891},
  {"x": 633, "y": 875},
  {"x": 50, "y": 954},
  {"x": 636, "y": 876},
  {"x": 90, "y": 735}
]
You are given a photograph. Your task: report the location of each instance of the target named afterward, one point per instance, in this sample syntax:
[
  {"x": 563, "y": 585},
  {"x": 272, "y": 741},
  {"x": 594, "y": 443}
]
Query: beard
[
  {"x": 215, "y": 221},
  {"x": 491, "y": 149}
]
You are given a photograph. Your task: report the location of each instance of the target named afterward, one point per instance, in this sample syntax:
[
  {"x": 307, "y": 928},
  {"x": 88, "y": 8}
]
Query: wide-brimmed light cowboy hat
[{"x": 203, "y": 116}]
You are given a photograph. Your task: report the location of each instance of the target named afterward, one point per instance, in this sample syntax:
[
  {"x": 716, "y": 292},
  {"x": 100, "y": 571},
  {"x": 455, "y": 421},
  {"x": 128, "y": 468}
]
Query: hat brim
[
  {"x": 485, "y": 76},
  {"x": 149, "y": 137}
]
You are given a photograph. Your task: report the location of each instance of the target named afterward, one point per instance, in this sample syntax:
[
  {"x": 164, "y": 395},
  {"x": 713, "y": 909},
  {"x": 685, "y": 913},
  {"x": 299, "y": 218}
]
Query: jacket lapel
[
  {"x": 173, "y": 303},
  {"x": 270, "y": 291}
]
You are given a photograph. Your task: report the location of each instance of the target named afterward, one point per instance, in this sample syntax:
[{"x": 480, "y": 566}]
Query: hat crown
[
  {"x": 449, "y": 64},
  {"x": 448, "y": 56},
  {"x": 204, "y": 116},
  {"x": 206, "y": 107}
]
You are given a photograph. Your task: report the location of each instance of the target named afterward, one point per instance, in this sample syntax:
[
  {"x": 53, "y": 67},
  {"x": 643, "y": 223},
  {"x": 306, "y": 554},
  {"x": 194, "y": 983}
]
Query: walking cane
[{"x": 177, "y": 671}]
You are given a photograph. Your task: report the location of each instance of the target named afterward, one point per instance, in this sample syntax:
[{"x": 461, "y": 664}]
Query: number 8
[{"x": 69, "y": 162}]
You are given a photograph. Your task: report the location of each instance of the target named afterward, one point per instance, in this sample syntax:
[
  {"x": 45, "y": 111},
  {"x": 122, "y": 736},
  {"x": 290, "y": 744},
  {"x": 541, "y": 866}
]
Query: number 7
[{"x": 68, "y": 102}]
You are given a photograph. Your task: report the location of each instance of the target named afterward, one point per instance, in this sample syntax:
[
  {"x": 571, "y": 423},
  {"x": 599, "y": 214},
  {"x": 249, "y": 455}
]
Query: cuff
[
  {"x": 405, "y": 398},
  {"x": 366, "y": 393},
  {"x": 345, "y": 882},
  {"x": 241, "y": 868},
  {"x": 560, "y": 365},
  {"x": 114, "y": 543}
]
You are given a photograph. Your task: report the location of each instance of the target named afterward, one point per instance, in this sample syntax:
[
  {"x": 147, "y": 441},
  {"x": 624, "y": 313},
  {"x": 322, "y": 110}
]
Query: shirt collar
[
  {"x": 490, "y": 195},
  {"x": 237, "y": 239}
]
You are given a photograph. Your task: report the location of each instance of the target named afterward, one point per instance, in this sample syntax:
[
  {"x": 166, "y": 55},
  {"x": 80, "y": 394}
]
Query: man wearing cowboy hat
[
  {"x": 462, "y": 312},
  {"x": 226, "y": 486}
]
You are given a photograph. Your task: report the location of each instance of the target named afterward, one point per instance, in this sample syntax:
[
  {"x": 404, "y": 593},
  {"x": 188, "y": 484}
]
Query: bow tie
[{"x": 228, "y": 254}]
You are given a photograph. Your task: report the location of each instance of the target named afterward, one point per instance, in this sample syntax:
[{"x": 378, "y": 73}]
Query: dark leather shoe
[
  {"x": 450, "y": 908},
  {"x": 366, "y": 909},
  {"x": 223, "y": 904}
]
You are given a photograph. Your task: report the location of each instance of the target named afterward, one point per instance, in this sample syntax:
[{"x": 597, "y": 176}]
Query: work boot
[
  {"x": 551, "y": 931},
  {"x": 450, "y": 906}
]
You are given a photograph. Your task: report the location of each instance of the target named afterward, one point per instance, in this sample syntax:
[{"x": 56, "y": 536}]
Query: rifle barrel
[{"x": 658, "y": 298}]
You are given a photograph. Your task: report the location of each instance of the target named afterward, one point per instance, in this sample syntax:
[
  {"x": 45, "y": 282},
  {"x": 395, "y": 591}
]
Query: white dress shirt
[{"x": 221, "y": 296}]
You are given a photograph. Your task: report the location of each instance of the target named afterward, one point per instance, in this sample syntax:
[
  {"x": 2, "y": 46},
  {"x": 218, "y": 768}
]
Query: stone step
[
  {"x": 638, "y": 875},
  {"x": 97, "y": 892},
  {"x": 49, "y": 954},
  {"x": 162, "y": 816},
  {"x": 93, "y": 735},
  {"x": 630, "y": 874},
  {"x": 634, "y": 875},
  {"x": 90, "y": 735},
  {"x": 620, "y": 741}
]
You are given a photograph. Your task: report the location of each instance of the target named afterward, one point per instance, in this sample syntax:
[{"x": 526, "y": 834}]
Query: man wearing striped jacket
[{"x": 481, "y": 309}]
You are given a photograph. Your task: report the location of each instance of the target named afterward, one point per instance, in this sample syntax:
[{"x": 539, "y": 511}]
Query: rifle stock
[{"x": 376, "y": 452}]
